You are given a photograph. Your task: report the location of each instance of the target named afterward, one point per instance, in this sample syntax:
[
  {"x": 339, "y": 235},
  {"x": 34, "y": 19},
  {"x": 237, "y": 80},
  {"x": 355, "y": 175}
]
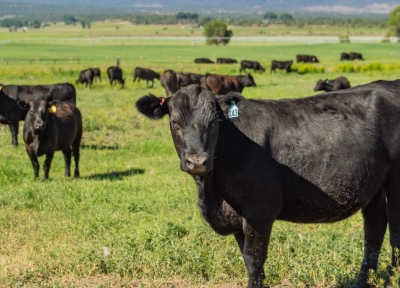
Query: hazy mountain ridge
[{"x": 203, "y": 6}]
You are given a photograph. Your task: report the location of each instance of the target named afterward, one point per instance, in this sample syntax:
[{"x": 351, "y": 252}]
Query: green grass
[{"x": 132, "y": 217}]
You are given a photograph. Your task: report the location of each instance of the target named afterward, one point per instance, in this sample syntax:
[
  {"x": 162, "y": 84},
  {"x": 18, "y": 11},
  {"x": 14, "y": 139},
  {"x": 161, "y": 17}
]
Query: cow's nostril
[{"x": 189, "y": 163}]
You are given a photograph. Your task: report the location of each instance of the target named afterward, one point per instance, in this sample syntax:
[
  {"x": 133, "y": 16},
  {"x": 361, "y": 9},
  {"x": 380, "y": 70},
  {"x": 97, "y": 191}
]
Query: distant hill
[{"x": 201, "y": 6}]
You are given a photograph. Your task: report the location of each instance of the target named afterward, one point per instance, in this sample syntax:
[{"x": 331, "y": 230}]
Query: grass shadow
[
  {"x": 115, "y": 175},
  {"x": 99, "y": 147}
]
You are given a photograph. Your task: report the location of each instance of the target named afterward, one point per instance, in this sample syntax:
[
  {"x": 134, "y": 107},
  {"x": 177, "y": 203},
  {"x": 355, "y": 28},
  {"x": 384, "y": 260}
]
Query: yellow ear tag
[
  {"x": 53, "y": 109},
  {"x": 1, "y": 87}
]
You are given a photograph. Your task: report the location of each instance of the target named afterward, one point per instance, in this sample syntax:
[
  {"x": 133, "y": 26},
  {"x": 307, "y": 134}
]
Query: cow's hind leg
[
  {"x": 375, "y": 222},
  {"x": 75, "y": 151},
  {"x": 392, "y": 189},
  {"x": 67, "y": 160}
]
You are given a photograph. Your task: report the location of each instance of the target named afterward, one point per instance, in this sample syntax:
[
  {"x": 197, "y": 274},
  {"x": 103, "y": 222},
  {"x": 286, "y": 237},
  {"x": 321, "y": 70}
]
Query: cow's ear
[
  {"x": 152, "y": 106},
  {"x": 226, "y": 102},
  {"x": 23, "y": 105}
]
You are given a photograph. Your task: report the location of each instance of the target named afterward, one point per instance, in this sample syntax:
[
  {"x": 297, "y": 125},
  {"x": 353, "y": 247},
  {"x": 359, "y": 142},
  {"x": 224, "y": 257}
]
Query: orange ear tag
[
  {"x": 52, "y": 109},
  {"x": 162, "y": 101}
]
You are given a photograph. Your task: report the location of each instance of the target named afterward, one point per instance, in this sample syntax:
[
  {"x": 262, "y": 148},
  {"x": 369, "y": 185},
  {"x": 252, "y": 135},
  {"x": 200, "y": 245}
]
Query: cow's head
[
  {"x": 249, "y": 81},
  {"x": 194, "y": 113},
  {"x": 38, "y": 113},
  {"x": 321, "y": 85}
]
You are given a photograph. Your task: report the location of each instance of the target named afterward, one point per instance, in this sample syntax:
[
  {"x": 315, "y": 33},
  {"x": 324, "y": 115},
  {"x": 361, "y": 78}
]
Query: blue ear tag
[{"x": 233, "y": 111}]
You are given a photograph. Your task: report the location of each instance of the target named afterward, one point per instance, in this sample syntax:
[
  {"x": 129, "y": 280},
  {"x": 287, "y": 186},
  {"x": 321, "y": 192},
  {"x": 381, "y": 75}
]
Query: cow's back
[{"x": 68, "y": 121}]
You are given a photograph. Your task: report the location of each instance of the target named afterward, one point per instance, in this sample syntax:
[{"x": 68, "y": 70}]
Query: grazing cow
[
  {"x": 50, "y": 127},
  {"x": 332, "y": 85},
  {"x": 226, "y": 61},
  {"x": 306, "y": 58},
  {"x": 169, "y": 81},
  {"x": 245, "y": 64},
  {"x": 281, "y": 65},
  {"x": 96, "y": 73},
  {"x": 185, "y": 79},
  {"x": 223, "y": 84},
  {"x": 86, "y": 77},
  {"x": 203, "y": 61},
  {"x": 344, "y": 56},
  {"x": 115, "y": 74},
  {"x": 11, "y": 116},
  {"x": 312, "y": 160},
  {"x": 145, "y": 74},
  {"x": 355, "y": 55}
]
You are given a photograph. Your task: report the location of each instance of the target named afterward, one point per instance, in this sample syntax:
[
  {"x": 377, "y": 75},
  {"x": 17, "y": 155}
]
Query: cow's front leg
[
  {"x": 255, "y": 253},
  {"x": 47, "y": 164},
  {"x": 34, "y": 161}
]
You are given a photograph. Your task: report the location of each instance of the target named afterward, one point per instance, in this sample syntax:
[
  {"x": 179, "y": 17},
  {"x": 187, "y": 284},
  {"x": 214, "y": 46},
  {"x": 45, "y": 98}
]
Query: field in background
[{"x": 132, "y": 218}]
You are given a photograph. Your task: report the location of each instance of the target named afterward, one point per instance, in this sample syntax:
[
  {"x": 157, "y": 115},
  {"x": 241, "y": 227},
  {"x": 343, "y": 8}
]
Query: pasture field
[{"x": 132, "y": 220}]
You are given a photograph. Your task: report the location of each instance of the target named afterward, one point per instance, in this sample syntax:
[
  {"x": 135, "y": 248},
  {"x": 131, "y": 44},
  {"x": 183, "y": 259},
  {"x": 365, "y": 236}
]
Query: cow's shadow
[
  {"x": 115, "y": 175},
  {"x": 99, "y": 147}
]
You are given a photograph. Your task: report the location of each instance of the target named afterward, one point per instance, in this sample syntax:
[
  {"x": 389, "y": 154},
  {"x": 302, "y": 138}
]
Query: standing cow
[
  {"x": 115, "y": 74},
  {"x": 226, "y": 61},
  {"x": 169, "y": 81},
  {"x": 203, "y": 61},
  {"x": 86, "y": 77},
  {"x": 11, "y": 116},
  {"x": 332, "y": 85},
  {"x": 223, "y": 84},
  {"x": 312, "y": 160},
  {"x": 344, "y": 56},
  {"x": 245, "y": 64},
  {"x": 185, "y": 79},
  {"x": 145, "y": 74},
  {"x": 356, "y": 55},
  {"x": 306, "y": 58},
  {"x": 285, "y": 65},
  {"x": 50, "y": 127}
]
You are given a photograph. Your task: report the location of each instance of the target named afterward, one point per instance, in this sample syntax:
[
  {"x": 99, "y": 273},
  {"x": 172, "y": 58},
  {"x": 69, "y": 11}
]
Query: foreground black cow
[
  {"x": 86, "y": 77},
  {"x": 145, "y": 74},
  {"x": 344, "y": 56},
  {"x": 203, "y": 61},
  {"x": 186, "y": 79},
  {"x": 306, "y": 58},
  {"x": 11, "y": 116},
  {"x": 115, "y": 74},
  {"x": 50, "y": 127},
  {"x": 169, "y": 81},
  {"x": 223, "y": 84},
  {"x": 356, "y": 55},
  {"x": 284, "y": 65},
  {"x": 312, "y": 160},
  {"x": 226, "y": 61},
  {"x": 245, "y": 64},
  {"x": 332, "y": 85},
  {"x": 96, "y": 73}
]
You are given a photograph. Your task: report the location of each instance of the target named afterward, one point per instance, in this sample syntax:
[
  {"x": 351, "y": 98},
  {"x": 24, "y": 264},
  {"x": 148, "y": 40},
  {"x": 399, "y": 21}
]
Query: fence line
[{"x": 37, "y": 59}]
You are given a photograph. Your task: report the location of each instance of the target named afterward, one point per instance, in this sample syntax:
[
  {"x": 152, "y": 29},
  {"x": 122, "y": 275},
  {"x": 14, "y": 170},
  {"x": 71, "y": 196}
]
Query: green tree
[
  {"x": 285, "y": 17},
  {"x": 270, "y": 15},
  {"x": 217, "y": 32},
  {"x": 394, "y": 22},
  {"x": 69, "y": 19},
  {"x": 204, "y": 20},
  {"x": 83, "y": 23},
  {"x": 36, "y": 24}
]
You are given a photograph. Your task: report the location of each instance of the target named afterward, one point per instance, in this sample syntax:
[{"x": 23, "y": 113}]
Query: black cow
[
  {"x": 169, "y": 81},
  {"x": 50, "y": 127},
  {"x": 203, "y": 61},
  {"x": 97, "y": 73},
  {"x": 115, "y": 74},
  {"x": 281, "y": 65},
  {"x": 185, "y": 79},
  {"x": 86, "y": 77},
  {"x": 11, "y": 116},
  {"x": 312, "y": 160},
  {"x": 145, "y": 74},
  {"x": 306, "y": 58},
  {"x": 332, "y": 85},
  {"x": 355, "y": 55},
  {"x": 226, "y": 61},
  {"x": 245, "y": 64},
  {"x": 223, "y": 84},
  {"x": 344, "y": 56}
]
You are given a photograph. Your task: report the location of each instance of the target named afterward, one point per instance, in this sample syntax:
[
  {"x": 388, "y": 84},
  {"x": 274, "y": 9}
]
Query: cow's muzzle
[
  {"x": 38, "y": 126},
  {"x": 196, "y": 164}
]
